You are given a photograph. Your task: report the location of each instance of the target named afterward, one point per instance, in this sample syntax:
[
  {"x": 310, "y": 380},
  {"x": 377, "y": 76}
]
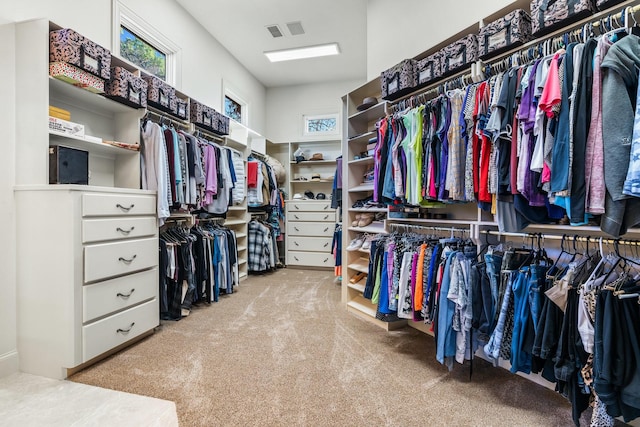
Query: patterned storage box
[
  {"x": 182, "y": 108},
  {"x": 548, "y": 15},
  {"x": 398, "y": 80},
  {"x": 511, "y": 30},
  {"x": 605, "y": 4},
  {"x": 429, "y": 68},
  {"x": 77, "y": 77},
  {"x": 161, "y": 95},
  {"x": 127, "y": 88},
  {"x": 68, "y": 46},
  {"x": 223, "y": 124},
  {"x": 203, "y": 116},
  {"x": 459, "y": 53}
]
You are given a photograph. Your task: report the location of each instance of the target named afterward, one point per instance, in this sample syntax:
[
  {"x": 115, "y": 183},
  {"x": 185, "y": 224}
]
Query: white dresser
[
  {"x": 87, "y": 273},
  {"x": 310, "y": 226}
]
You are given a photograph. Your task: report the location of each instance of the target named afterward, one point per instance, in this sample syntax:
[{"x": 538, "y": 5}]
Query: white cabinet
[
  {"x": 79, "y": 297},
  {"x": 310, "y": 226}
]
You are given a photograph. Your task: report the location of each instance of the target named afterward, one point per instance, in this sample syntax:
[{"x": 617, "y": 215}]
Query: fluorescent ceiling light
[{"x": 303, "y": 52}]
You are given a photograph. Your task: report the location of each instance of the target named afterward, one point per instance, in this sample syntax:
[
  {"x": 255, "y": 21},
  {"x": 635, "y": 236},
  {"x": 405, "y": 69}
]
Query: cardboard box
[
  {"x": 75, "y": 76},
  {"x": 66, "y": 128}
]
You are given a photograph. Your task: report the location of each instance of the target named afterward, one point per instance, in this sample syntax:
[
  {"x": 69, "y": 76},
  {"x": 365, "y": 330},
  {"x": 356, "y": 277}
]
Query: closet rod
[
  {"x": 566, "y": 237},
  {"x": 163, "y": 117},
  {"x": 199, "y": 132},
  {"x": 428, "y": 227}
]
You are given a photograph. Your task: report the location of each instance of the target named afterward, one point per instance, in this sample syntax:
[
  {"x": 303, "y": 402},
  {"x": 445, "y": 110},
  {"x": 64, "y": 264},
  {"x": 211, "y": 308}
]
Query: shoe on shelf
[
  {"x": 357, "y": 277},
  {"x": 355, "y": 243},
  {"x": 366, "y": 243},
  {"x": 365, "y": 219},
  {"x": 356, "y": 220}
]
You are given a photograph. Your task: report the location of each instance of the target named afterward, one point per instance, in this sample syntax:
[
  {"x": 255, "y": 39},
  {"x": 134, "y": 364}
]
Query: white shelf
[
  {"x": 311, "y": 181},
  {"x": 433, "y": 222},
  {"x": 56, "y": 138},
  {"x": 59, "y": 90},
  {"x": 357, "y": 286},
  {"x": 311, "y": 162},
  {"x": 364, "y": 160},
  {"x": 370, "y": 114},
  {"x": 367, "y": 209},
  {"x": 362, "y": 187},
  {"x": 228, "y": 222},
  {"x": 362, "y": 265},
  {"x": 237, "y": 208},
  {"x": 375, "y": 227},
  {"x": 367, "y": 309},
  {"x": 240, "y": 235},
  {"x": 365, "y": 137}
]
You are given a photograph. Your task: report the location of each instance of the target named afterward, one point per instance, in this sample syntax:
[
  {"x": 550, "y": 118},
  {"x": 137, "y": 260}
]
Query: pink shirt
[{"x": 551, "y": 94}]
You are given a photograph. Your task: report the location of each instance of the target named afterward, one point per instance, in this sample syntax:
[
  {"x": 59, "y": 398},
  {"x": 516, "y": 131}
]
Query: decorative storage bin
[
  {"x": 223, "y": 124},
  {"x": 203, "y": 116},
  {"x": 127, "y": 88},
  {"x": 75, "y": 76},
  {"x": 398, "y": 80},
  {"x": 68, "y": 46},
  {"x": 459, "y": 53},
  {"x": 548, "y": 15},
  {"x": 182, "y": 108},
  {"x": 511, "y": 30},
  {"x": 161, "y": 95},
  {"x": 429, "y": 68}
]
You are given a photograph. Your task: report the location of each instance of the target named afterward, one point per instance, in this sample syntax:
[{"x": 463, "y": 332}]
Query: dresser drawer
[
  {"x": 112, "y": 331},
  {"x": 315, "y": 259},
  {"x": 313, "y": 216},
  {"x": 311, "y": 244},
  {"x": 115, "y": 259},
  {"x": 118, "y": 204},
  {"x": 309, "y": 206},
  {"x": 310, "y": 229},
  {"x": 96, "y": 230},
  {"x": 103, "y": 298}
]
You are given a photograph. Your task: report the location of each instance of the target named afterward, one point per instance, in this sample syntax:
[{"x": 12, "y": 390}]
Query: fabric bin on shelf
[
  {"x": 459, "y": 53},
  {"x": 68, "y": 46},
  {"x": 127, "y": 88},
  {"x": 75, "y": 76},
  {"x": 398, "y": 80},
  {"x": 511, "y": 30},
  {"x": 182, "y": 108},
  {"x": 548, "y": 15},
  {"x": 223, "y": 124},
  {"x": 606, "y": 4},
  {"x": 203, "y": 116},
  {"x": 161, "y": 95},
  {"x": 428, "y": 69}
]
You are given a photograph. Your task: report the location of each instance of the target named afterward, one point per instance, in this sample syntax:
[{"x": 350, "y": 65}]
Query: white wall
[
  {"x": 286, "y": 106},
  {"x": 402, "y": 29},
  {"x": 8, "y": 346}
]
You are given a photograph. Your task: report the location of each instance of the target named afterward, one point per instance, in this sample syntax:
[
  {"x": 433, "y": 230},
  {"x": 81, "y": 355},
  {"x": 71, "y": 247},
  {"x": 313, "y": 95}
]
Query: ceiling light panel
[
  {"x": 275, "y": 31},
  {"x": 303, "y": 52},
  {"x": 295, "y": 28}
]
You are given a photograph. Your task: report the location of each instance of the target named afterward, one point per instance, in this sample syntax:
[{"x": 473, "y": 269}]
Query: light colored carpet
[{"x": 282, "y": 350}]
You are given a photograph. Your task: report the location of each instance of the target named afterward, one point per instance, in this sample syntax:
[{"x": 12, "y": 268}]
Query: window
[
  {"x": 232, "y": 109},
  {"x": 144, "y": 55},
  {"x": 136, "y": 41},
  {"x": 325, "y": 124}
]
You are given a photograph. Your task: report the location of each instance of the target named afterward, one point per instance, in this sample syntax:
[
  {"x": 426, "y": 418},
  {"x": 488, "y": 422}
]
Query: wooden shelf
[
  {"x": 367, "y": 209},
  {"x": 361, "y": 187},
  {"x": 241, "y": 261},
  {"x": 242, "y": 274},
  {"x": 363, "y": 308},
  {"x": 240, "y": 235},
  {"x": 357, "y": 286},
  {"x": 237, "y": 208},
  {"x": 313, "y": 162},
  {"x": 241, "y": 248},
  {"x": 362, "y": 265},
  {"x": 365, "y": 160},
  {"x": 375, "y": 227},
  {"x": 370, "y": 114},
  {"x": 365, "y": 137},
  {"x": 311, "y": 181},
  {"x": 228, "y": 222}
]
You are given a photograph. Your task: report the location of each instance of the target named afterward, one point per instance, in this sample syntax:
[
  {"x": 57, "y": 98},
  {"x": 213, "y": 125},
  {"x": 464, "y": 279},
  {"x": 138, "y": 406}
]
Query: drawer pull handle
[
  {"x": 126, "y": 331},
  {"x": 326, "y": 229},
  {"x": 296, "y": 258},
  {"x": 296, "y": 243},
  {"x": 296, "y": 216},
  {"x": 297, "y": 207},
  {"x": 326, "y": 217},
  {"x": 326, "y": 207},
  {"x": 296, "y": 228},
  {"x": 124, "y": 208},
  {"x": 325, "y": 260},
  {"x": 127, "y": 261},
  {"x": 125, "y": 296},
  {"x": 326, "y": 244},
  {"x": 125, "y": 232}
]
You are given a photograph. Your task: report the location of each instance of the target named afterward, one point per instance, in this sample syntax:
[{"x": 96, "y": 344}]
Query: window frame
[
  {"x": 306, "y": 118},
  {"x": 125, "y": 17},
  {"x": 233, "y": 95}
]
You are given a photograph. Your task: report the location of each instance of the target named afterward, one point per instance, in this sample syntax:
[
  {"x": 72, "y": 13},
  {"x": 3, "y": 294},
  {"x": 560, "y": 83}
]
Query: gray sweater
[{"x": 619, "y": 86}]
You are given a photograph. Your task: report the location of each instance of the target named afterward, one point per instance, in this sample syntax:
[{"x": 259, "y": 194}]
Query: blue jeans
[{"x": 493, "y": 263}]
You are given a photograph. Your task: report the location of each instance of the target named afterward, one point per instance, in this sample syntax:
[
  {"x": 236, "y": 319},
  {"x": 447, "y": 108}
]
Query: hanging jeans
[
  {"x": 493, "y": 265},
  {"x": 520, "y": 360}
]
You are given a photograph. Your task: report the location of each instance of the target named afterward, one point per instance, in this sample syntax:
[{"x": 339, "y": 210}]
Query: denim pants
[
  {"x": 536, "y": 287},
  {"x": 493, "y": 265},
  {"x": 520, "y": 360}
]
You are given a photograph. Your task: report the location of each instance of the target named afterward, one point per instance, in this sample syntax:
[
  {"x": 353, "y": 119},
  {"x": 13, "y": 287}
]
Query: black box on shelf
[{"x": 68, "y": 165}]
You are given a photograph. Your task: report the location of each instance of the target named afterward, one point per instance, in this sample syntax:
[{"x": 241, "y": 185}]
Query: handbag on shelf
[
  {"x": 511, "y": 30},
  {"x": 548, "y": 15}
]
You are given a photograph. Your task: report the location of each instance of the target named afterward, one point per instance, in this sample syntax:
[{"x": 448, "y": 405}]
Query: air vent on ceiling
[
  {"x": 275, "y": 31},
  {"x": 295, "y": 28}
]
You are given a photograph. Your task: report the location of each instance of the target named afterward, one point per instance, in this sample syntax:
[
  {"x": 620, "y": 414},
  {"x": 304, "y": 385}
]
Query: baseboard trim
[{"x": 9, "y": 364}]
